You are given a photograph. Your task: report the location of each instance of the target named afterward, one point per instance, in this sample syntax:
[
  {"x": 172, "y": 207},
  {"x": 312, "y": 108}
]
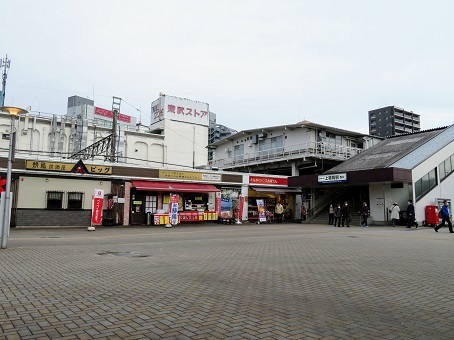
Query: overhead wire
[{"x": 100, "y": 95}]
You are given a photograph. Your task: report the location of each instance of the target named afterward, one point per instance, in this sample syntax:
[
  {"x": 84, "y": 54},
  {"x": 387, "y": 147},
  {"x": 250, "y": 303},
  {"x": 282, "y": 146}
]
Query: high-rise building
[
  {"x": 392, "y": 120},
  {"x": 216, "y": 133}
]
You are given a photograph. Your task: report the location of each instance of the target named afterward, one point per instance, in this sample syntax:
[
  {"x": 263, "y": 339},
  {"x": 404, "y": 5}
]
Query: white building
[
  {"x": 290, "y": 150},
  {"x": 174, "y": 139}
]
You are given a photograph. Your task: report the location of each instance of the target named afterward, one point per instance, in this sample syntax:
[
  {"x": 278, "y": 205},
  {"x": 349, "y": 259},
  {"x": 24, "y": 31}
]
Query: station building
[{"x": 415, "y": 166}]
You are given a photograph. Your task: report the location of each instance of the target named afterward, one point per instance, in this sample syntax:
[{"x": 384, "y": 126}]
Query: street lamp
[{"x": 5, "y": 214}]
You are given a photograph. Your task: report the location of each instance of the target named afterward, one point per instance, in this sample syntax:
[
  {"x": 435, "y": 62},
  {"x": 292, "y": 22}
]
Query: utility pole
[
  {"x": 116, "y": 102},
  {"x": 5, "y": 64}
]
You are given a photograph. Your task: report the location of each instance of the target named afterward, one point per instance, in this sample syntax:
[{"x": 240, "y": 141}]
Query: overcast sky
[{"x": 257, "y": 63}]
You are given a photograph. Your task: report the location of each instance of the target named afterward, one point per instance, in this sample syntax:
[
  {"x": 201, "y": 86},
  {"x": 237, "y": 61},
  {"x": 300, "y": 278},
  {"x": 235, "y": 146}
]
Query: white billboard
[{"x": 179, "y": 109}]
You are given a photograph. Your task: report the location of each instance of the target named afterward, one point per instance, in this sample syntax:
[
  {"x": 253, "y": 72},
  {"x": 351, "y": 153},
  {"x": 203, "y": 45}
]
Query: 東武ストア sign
[{"x": 332, "y": 178}]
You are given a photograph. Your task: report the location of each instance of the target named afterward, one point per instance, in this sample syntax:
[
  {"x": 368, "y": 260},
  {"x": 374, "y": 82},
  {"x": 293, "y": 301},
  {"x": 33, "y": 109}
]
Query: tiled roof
[{"x": 388, "y": 152}]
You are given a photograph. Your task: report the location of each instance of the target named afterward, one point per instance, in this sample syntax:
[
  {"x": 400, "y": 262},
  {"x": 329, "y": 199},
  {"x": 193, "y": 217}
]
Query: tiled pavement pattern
[{"x": 287, "y": 281}]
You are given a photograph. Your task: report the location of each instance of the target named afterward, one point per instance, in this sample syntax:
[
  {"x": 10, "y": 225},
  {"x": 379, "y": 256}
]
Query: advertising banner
[
  {"x": 107, "y": 113},
  {"x": 241, "y": 208},
  {"x": 173, "y": 209},
  {"x": 262, "y": 210},
  {"x": 96, "y": 209},
  {"x": 218, "y": 203}
]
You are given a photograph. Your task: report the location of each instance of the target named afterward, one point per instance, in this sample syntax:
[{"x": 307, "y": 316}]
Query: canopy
[{"x": 173, "y": 186}]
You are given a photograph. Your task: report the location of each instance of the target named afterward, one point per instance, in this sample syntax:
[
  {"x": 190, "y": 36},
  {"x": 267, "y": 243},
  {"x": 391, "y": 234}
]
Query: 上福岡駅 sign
[
  {"x": 333, "y": 178},
  {"x": 66, "y": 167}
]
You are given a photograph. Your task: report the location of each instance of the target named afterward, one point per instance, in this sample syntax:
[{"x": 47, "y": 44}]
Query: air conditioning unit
[{"x": 262, "y": 135}]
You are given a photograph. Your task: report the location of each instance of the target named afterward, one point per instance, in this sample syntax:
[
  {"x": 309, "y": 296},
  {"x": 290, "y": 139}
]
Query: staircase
[{"x": 322, "y": 218}]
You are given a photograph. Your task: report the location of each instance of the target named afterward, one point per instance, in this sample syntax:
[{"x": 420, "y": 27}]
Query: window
[
  {"x": 54, "y": 200},
  {"x": 446, "y": 167},
  {"x": 75, "y": 200},
  {"x": 425, "y": 184},
  {"x": 238, "y": 150},
  {"x": 271, "y": 143},
  {"x": 151, "y": 204}
]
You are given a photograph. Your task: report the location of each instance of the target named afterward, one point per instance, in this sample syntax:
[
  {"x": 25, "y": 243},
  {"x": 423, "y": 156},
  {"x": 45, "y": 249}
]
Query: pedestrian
[
  {"x": 364, "y": 212},
  {"x": 345, "y": 215},
  {"x": 445, "y": 214},
  {"x": 303, "y": 213},
  {"x": 411, "y": 214},
  {"x": 337, "y": 215},
  {"x": 279, "y": 210},
  {"x": 330, "y": 215},
  {"x": 394, "y": 211}
]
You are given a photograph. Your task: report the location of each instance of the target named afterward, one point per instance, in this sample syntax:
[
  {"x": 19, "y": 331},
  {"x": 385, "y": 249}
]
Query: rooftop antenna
[{"x": 5, "y": 64}]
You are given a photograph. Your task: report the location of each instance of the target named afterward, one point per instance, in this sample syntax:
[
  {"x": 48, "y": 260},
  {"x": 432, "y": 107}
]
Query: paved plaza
[{"x": 274, "y": 281}]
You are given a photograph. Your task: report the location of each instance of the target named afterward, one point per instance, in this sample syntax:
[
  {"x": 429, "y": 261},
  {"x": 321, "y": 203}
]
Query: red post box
[{"x": 432, "y": 218}]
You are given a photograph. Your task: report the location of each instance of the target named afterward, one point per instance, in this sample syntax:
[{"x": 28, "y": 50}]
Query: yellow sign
[
  {"x": 66, "y": 167},
  {"x": 48, "y": 166},
  {"x": 173, "y": 174},
  {"x": 102, "y": 170},
  {"x": 189, "y": 175}
]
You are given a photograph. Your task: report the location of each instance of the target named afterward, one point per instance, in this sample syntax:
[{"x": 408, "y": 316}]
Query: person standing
[
  {"x": 345, "y": 215},
  {"x": 331, "y": 215},
  {"x": 303, "y": 213},
  {"x": 337, "y": 215},
  {"x": 364, "y": 212},
  {"x": 279, "y": 210},
  {"x": 410, "y": 214},
  {"x": 445, "y": 214},
  {"x": 394, "y": 211}
]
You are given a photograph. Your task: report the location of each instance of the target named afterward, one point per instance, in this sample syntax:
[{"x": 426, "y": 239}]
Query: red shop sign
[{"x": 267, "y": 180}]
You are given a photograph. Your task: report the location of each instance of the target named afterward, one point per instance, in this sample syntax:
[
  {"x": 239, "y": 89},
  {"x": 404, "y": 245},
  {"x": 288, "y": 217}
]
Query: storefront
[
  {"x": 231, "y": 204},
  {"x": 151, "y": 202},
  {"x": 264, "y": 193}
]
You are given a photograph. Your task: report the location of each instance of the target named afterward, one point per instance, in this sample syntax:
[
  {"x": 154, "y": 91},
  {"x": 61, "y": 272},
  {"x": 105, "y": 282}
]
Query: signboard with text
[
  {"x": 173, "y": 209},
  {"x": 179, "y": 109},
  {"x": 332, "y": 178},
  {"x": 267, "y": 180},
  {"x": 188, "y": 175},
  {"x": 108, "y": 114},
  {"x": 68, "y": 167},
  {"x": 97, "y": 203},
  {"x": 261, "y": 210}
]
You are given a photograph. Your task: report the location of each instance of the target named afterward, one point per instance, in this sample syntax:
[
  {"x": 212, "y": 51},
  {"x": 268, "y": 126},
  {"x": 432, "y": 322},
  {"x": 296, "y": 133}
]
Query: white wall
[
  {"x": 444, "y": 189},
  {"x": 186, "y": 143},
  {"x": 378, "y": 191},
  {"x": 32, "y": 190}
]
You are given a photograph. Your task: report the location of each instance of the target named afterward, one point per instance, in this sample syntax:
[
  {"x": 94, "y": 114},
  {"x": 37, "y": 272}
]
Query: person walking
[
  {"x": 411, "y": 214},
  {"x": 330, "y": 215},
  {"x": 279, "y": 210},
  {"x": 364, "y": 212},
  {"x": 394, "y": 211},
  {"x": 337, "y": 215},
  {"x": 345, "y": 215},
  {"x": 445, "y": 214}
]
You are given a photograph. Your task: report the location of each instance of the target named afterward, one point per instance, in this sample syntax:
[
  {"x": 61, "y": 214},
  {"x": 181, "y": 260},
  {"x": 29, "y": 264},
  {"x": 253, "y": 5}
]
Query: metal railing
[{"x": 319, "y": 149}]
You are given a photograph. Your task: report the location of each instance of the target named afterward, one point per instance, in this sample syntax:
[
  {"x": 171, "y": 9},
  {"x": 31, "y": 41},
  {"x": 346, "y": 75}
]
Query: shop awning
[
  {"x": 277, "y": 190},
  {"x": 173, "y": 186}
]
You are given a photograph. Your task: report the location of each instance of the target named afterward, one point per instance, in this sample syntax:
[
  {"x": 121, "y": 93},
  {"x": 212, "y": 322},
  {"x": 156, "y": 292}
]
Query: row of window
[
  {"x": 58, "y": 200},
  {"x": 429, "y": 180},
  {"x": 446, "y": 167},
  {"x": 426, "y": 183}
]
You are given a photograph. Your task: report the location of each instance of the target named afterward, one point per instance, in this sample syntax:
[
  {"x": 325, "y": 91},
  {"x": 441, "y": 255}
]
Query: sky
[{"x": 257, "y": 63}]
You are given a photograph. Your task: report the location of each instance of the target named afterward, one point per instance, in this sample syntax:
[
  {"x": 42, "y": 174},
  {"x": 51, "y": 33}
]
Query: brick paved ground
[{"x": 287, "y": 281}]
